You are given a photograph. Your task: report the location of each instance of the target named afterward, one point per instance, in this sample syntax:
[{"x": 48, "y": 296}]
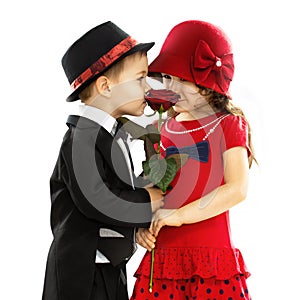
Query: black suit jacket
[{"x": 90, "y": 189}]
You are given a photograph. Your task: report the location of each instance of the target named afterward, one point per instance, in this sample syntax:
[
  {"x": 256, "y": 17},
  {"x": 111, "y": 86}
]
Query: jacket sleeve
[{"x": 95, "y": 190}]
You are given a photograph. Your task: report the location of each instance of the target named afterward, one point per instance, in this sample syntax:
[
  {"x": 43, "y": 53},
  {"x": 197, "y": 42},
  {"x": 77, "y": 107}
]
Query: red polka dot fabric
[{"x": 195, "y": 288}]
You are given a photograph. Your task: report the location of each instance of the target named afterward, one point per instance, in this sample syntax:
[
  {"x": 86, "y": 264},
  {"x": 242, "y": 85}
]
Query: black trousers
[{"x": 110, "y": 283}]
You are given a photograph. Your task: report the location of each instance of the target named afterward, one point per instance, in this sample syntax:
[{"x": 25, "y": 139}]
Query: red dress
[{"x": 197, "y": 261}]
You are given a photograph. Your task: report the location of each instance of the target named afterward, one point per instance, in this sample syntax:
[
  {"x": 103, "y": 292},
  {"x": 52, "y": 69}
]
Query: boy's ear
[{"x": 102, "y": 86}]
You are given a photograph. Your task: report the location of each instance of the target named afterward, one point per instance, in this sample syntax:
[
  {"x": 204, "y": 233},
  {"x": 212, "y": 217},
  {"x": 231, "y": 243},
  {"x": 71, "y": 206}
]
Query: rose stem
[{"x": 151, "y": 271}]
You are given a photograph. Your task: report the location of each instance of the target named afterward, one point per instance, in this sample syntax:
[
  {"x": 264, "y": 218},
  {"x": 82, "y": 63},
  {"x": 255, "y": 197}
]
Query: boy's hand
[
  {"x": 157, "y": 198},
  {"x": 145, "y": 239}
]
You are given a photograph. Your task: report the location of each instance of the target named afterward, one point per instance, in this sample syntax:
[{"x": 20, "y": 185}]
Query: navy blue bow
[{"x": 199, "y": 151}]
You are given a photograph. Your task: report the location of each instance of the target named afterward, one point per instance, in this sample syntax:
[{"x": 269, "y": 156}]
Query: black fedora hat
[{"x": 96, "y": 51}]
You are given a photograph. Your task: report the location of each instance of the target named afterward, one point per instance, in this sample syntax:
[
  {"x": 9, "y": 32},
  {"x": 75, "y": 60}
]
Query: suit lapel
[
  {"x": 114, "y": 155},
  {"x": 106, "y": 145}
]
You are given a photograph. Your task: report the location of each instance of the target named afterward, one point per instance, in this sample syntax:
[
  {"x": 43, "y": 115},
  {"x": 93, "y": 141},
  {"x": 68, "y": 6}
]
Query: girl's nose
[
  {"x": 153, "y": 83},
  {"x": 174, "y": 85}
]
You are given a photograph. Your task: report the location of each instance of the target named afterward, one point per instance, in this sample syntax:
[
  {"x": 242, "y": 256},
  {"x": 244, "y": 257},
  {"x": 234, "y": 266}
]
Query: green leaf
[
  {"x": 180, "y": 158},
  {"x": 160, "y": 171},
  {"x": 139, "y": 132}
]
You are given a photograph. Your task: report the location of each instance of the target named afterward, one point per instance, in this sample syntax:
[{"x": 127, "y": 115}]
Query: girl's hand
[
  {"x": 145, "y": 239},
  {"x": 165, "y": 217}
]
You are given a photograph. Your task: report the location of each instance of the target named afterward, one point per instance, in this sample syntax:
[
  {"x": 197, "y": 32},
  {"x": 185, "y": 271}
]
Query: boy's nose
[{"x": 147, "y": 87}]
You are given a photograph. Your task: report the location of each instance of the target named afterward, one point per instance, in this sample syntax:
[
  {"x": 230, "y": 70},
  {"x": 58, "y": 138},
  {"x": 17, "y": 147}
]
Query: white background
[{"x": 35, "y": 35}]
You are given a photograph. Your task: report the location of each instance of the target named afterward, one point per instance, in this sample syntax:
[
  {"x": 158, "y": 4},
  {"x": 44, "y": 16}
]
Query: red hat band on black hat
[
  {"x": 199, "y": 52},
  {"x": 95, "y": 52}
]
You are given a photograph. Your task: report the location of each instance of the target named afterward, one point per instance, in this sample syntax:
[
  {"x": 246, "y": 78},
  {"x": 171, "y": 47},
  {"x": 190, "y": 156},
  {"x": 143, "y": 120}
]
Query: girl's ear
[{"x": 102, "y": 86}]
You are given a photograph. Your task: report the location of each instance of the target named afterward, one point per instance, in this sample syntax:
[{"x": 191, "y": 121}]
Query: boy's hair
[{"x": 113, "y": 73}]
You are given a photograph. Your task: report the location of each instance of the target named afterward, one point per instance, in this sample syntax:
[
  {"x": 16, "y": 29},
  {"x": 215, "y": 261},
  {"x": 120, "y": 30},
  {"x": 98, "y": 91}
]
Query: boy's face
[{"x": 127, "y": 93}]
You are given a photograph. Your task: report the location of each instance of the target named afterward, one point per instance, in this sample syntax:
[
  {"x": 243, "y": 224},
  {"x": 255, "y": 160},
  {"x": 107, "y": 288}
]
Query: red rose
[{"x": 164, "y": 98}]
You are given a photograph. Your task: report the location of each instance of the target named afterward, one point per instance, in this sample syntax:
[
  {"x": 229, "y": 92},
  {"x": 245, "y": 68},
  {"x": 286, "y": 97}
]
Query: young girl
[{"x": 194, "y": 255}]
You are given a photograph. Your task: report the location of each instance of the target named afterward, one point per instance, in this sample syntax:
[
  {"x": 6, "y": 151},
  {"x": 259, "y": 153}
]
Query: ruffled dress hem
[{"x": 184, "y": 263}]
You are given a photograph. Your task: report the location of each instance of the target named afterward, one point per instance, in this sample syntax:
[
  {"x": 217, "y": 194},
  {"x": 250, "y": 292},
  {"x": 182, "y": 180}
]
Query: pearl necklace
[
  {"x": 216, "y": 125},
  {"x": 218, "y": 120}
]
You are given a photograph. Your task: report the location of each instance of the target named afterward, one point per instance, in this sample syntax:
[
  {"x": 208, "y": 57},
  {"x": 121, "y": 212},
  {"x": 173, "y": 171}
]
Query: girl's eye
[
  {"x": 167, "y": 76},
  {"x": 181, "y": 79}
]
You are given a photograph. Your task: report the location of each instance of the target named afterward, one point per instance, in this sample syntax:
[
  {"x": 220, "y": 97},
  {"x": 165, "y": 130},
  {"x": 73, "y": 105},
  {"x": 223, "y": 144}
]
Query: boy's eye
[
  {"x": 167, "y": 76},
  {"x": 181, "y": 79},
  {"x": 142, "y": 80}
]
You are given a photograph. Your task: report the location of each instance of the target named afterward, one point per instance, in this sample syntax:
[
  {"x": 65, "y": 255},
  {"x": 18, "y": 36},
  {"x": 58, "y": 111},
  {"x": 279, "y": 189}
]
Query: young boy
[{"x": 97, "y": 202}]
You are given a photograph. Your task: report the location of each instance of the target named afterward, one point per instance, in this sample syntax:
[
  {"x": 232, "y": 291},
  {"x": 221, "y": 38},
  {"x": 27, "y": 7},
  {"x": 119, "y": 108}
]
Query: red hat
[{"x": 199, "y": 52}]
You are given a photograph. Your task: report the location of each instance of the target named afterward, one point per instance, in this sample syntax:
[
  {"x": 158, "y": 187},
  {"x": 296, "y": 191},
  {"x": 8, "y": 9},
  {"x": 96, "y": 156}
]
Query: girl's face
[{"x": 191, "y": 102}]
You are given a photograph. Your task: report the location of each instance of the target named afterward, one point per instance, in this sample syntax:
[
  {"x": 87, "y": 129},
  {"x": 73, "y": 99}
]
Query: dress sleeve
[{"x": 235, "y": 133}]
